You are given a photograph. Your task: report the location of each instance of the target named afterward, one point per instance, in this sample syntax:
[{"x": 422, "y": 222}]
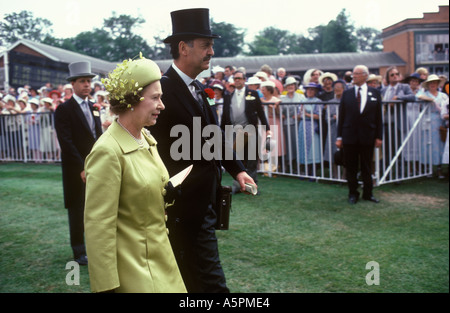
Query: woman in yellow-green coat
[{"x": 126, "y": 237}]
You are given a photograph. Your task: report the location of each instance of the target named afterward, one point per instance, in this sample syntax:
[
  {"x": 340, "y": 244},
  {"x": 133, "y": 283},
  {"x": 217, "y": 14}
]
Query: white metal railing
[
  {"x": 307, "y": 149},
  {"x": 303, "y": 149},
  {"x": 29, "y": 137}
]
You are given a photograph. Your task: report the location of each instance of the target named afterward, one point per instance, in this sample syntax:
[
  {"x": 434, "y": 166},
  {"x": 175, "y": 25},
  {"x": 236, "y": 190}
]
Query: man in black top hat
[
  {"x": 192, "y": 219},
  {"x": 77, "y": 126}
]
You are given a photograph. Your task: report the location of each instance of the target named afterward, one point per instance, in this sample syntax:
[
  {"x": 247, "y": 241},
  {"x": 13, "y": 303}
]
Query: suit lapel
[{"x": 80, "y": 114}]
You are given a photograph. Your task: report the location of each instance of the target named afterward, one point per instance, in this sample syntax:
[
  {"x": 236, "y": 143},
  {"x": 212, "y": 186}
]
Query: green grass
[{"x": 295, "y": 237}]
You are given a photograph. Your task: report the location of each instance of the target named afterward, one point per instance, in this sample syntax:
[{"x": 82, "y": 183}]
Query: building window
[{"x": 431, "y": 48}]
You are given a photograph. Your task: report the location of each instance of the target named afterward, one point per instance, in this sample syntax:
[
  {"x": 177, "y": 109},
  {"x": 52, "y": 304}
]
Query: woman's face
[
  {"x": 148, "y": 110},
  {"x": 338, "y": 90},
  {"x": 310, "y": 92},
  {"x": 433, "y": 85},
  {"x": 265, "y": 92}
]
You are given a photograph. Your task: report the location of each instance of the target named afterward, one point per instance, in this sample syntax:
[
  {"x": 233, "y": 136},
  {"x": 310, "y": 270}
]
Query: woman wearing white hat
[{"x": 438, "y": 100}]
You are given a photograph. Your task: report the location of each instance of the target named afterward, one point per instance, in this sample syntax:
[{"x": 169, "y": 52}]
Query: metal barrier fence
[
  {"x": 29, "y": 137},
  {"x": 304, "y": 149}
]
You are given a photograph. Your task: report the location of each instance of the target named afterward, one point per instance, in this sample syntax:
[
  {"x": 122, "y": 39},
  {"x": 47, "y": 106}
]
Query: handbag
[{"x": 223, "y": 208}]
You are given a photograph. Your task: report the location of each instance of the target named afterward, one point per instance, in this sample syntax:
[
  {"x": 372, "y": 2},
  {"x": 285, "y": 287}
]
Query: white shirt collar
[
  {"x": 187, "y": 80},
  {"x": 79, "y": 99}
]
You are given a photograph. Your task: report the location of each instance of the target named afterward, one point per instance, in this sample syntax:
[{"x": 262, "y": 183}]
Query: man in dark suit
[
  {"x": 192, "y": 218},
  {"x": 360, "y": 129},
  {"x": 77, "y": 126},
  {"x": 243, "y": 107}
]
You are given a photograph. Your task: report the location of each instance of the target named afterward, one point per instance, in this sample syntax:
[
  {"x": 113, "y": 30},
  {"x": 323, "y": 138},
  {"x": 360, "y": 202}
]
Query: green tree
[
  {"x": 369, "y": 39},
  {"x": 338, "y": 35},
  {"x": 23, "y": 25},
  {"x": 231, "y": 42},
  {"x": 273, "y": 41}
]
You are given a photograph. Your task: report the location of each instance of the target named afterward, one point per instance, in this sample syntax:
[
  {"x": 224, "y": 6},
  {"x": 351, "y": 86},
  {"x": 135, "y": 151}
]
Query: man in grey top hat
[{"x": 77, "y": 126}]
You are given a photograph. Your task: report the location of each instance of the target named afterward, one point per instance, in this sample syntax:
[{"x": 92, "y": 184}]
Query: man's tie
[
  {"x": 196, "y": 93},
  {"x": 358, "y": 99},
  {"x": 88, "y": 115}
]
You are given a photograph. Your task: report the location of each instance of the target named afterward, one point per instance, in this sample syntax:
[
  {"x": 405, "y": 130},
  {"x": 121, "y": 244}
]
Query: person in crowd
[
  {"x": 102, "y": 106},
  {"x": 244, "y": 107},
  {"x": 254, "y": 83},
  {"x": 312, "y": 76},
  {"x": 437, "y": 100},
  {"x": 281, "y": 75},
  {"x": 374, "y": 81},
  {"x": 444, "y": 116},
  {"x": 394, "y": 115},
  {"x": 126, "y": 237},
  {"x": 68, "y": 92},
  {"x": 47, "y": 146},
  {"x": 289, "y": 112},
  {"x": 12, "y": 128},
  {"x": 219, "y": 75},
  {"x": 327, "y": 93},
  {"x": 56, "y": 96},
  {"x": 268, "y": 89},
  {"x": 309, "y": 149},
  {"x": 412, "y": 114},
  {"x": 270, "y": 77},
  {"x": 34, "y": 135},
  {"x": 326, "y": 81},
  {"x": 262, "y": 76},
  {"x": 229, "y": 72},
  {"x": 217, "y": 108},
  {"x": 77, "y": 127},
  {"x": 331, "y": 117},
  {"x": 360, "y": 130},
  {"x": 192, "y": 219},
  {"x": 423, "y": 72},
  {"x": 348, "y": 78}
]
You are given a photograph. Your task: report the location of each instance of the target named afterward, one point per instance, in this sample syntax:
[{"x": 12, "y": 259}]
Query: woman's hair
[{"x": 118, "y": 106}]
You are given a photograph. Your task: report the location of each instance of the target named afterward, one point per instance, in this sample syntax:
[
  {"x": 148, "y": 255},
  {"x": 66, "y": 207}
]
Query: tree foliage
[
  {"x": 23, "y": 25},
  {"x": 231, "y": 42},
  {"x": 117, "y": 39}
]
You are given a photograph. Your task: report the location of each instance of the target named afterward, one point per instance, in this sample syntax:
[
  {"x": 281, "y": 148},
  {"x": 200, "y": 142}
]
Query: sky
[{"x": 70, "y": 17}]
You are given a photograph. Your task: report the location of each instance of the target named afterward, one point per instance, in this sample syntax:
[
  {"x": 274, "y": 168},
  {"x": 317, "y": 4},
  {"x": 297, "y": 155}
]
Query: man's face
[
  {"x": 82, "y": 87},
  {"x": 394, "y": 77},
  {"x": 200, "y": 54},
  {"x": 359, "y": 77},
  {"x": 239, "y": 80}
]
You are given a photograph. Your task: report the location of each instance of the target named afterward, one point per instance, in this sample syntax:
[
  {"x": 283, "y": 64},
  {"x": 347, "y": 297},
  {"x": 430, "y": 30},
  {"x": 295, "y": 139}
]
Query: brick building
[{"x": 421, "y": 42}]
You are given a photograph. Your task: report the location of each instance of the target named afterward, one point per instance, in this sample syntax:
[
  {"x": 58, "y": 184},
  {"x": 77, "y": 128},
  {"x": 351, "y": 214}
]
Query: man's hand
[
  {"x": 243, "y": 178},
  {"x": 83, "y": 176}
]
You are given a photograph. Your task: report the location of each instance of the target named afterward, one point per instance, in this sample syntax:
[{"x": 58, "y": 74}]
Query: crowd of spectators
[{"x": 293, "y": 103}]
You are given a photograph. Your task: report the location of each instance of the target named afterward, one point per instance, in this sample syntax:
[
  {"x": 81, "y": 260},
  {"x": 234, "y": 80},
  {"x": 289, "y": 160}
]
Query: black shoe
[
  {"x": 352, "y": 199},
  {"x": 82, "y": 260},
  {"x": 372, "y": 199}
]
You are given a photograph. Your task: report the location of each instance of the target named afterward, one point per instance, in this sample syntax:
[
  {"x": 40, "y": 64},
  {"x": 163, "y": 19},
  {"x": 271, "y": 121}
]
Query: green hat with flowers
[{"x": 129, "y": 78}]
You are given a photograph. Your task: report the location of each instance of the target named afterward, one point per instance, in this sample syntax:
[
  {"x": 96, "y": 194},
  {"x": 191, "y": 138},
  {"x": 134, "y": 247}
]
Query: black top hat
[{"x": 190, "y": 23}]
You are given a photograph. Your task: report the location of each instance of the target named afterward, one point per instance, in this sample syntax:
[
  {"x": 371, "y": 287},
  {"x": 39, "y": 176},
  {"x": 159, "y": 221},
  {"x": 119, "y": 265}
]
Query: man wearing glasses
[{"x": 395, "y": 90}]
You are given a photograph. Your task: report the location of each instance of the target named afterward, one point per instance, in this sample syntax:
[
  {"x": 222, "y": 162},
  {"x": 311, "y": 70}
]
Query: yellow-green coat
[{"x": 127, "y": 244}]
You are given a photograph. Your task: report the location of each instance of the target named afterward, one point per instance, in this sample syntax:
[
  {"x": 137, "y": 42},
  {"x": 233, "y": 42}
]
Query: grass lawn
[{"x": 294, "y": 237}]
